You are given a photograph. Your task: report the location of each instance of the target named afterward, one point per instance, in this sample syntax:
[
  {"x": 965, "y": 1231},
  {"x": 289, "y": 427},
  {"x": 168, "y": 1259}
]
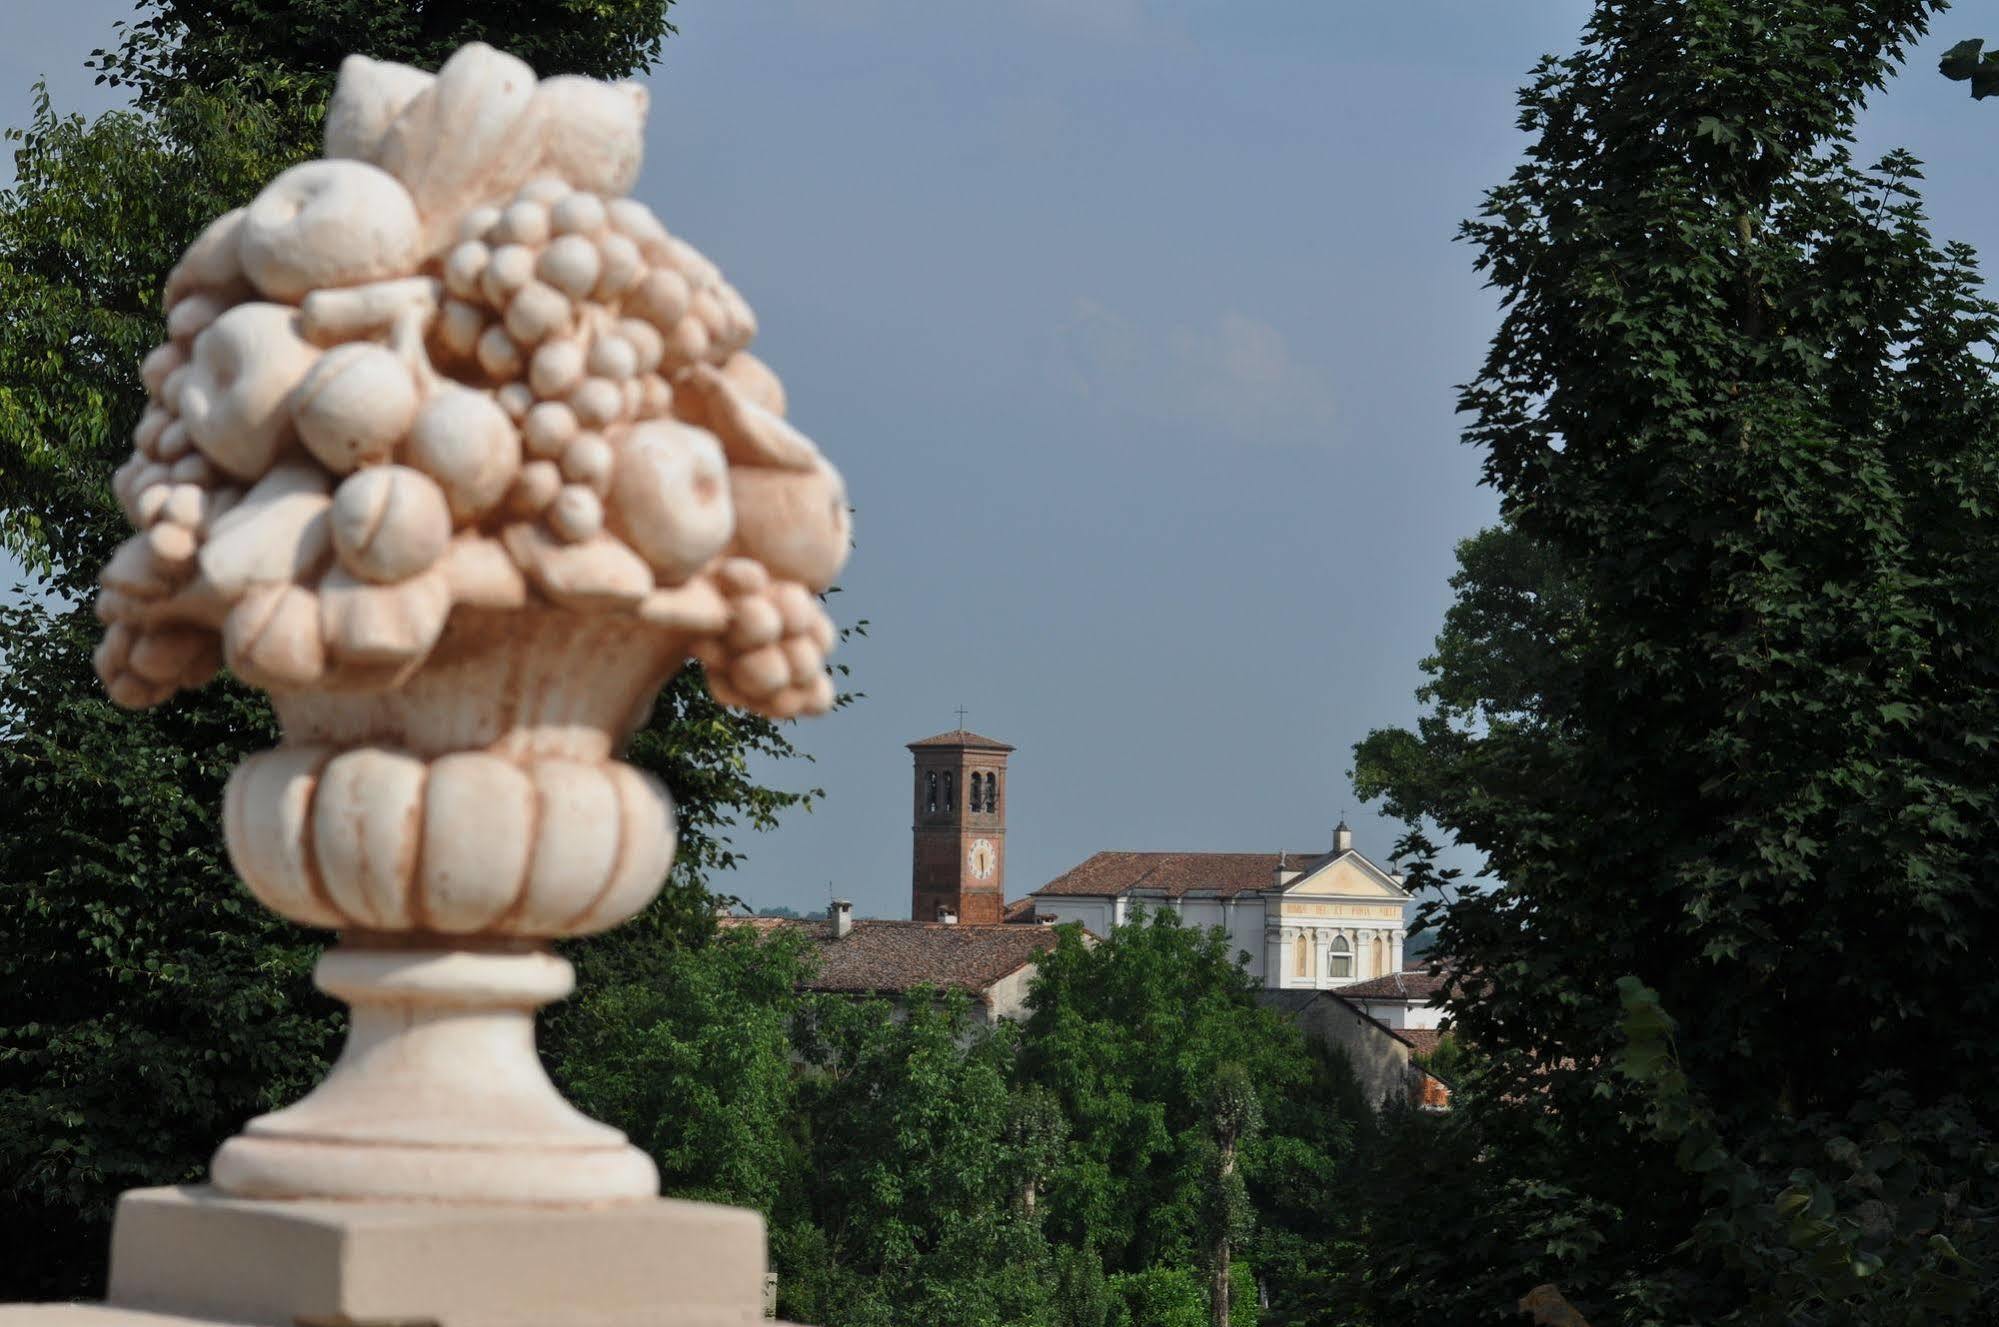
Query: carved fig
[{"x": 482, "y": 574}]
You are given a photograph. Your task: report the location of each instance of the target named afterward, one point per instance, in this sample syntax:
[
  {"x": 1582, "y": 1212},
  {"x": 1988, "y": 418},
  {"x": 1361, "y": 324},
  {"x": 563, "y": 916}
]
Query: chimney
[
  {"x": 843, "y": 918},
  {"x": 1342, "y": 838},
  {"x": 945, "y": 915}
]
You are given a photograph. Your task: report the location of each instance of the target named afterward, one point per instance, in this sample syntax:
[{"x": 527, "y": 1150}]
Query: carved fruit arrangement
[{"x": 451, "y": 364}]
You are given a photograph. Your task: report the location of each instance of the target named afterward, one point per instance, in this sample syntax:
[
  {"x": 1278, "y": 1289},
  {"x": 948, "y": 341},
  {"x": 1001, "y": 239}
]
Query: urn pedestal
[
  {"x": 449, "y": 829},
  {"x": 185, "y": 1257}
]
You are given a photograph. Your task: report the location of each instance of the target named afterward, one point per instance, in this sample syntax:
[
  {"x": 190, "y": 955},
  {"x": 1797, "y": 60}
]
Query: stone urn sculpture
[{"x": 459, "y": 454}]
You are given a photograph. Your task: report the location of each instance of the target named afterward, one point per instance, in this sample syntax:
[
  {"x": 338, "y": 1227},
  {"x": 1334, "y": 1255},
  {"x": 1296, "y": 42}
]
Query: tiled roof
[
  {"x": 1020, "y": 910},
  {"x": 960, "y": 737},
  {"x": 891, "y": 957},
  {"x": 761, "y": 925},
  {"x": 1178, "y": 873},
  {"x": 1423, "y": 1041},
  {"x": 1405, "y": 985}
]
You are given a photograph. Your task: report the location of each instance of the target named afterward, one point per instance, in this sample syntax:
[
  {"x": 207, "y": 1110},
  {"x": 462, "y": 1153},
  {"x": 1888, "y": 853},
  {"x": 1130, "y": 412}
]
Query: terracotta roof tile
[
  {"x": 960, "y": 737},
  {"x": 1020, "y": 910},
  {"x": 1404, "y": 985},
  {"x": 1176, "y": 873},
  {"x": 1423, "y": 1041},
  {"x": 891, "y": 957}
]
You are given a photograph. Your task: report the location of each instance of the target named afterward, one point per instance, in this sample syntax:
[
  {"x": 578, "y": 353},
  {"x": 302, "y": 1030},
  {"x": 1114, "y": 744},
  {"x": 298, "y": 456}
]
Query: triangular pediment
[{"x": 1348, "y": 875}]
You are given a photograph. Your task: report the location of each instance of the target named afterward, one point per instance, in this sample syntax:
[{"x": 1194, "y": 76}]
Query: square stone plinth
[{"x": 192, "y": 1253}]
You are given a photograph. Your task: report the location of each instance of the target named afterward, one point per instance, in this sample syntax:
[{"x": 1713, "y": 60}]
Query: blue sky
[{"x": 1135, "y": 329}]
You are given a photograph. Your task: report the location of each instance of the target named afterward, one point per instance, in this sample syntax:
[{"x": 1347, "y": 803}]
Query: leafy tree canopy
[
  {"x": 1132, "y": 1035},
  {"x": 285, "y": 53},
  {"x": 1719, "y": 713}
]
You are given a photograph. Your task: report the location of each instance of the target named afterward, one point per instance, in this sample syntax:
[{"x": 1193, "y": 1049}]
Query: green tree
[
  {"x": 1741, "y": 417},
  {"x": 1177, "y": 1297},
  {"x": 1235, "y": 1117},
  {"x": 137, "y": 964},
  {"x": 692, "y": 1059},
  {"x": 284, "y": 54},
  {"x": 917, "y": 1163},
  {"x": 1510, "y": 632},
  {"x": 1082, "y": 1291},
  {"x": 1309, "y": 1246},
  {"x": 1132, "y": 1035}
]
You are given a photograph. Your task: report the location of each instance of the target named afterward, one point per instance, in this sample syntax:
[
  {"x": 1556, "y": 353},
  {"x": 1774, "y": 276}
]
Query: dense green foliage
[
  {"x": 1717, "y": 705},
  {"x": 151, "y": 1003},
  {"x": 694, "y": 1057},
  {"x": 155, "y": 1008},
  {"x": 1132, "y": 1035},
  {"x": 918, "y": 1179},
  {"x": 919, "y": 1167},
  {"x": 284, "y": 54}
]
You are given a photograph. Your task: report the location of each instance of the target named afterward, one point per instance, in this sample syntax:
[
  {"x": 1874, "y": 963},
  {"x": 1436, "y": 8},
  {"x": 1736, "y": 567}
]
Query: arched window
[
  {"x": 992, "y": 791},
  {"x": 975, "y": 794},
  {"x": 933, "y": 790},
  {"x": 1339, "y": 962},
  {"x": 1381, "y": 968},
  {"x": 1301, "y": 958},
  {"x": 950, "y": 791}
]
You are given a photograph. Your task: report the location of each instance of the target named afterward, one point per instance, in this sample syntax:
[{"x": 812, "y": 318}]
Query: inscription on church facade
[{"x": 1342, "y": 910}]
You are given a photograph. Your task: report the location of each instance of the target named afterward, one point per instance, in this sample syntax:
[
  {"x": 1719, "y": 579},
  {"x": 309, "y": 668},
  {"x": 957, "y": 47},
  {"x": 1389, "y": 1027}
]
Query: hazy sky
[{"x": 1134, "y": 327}]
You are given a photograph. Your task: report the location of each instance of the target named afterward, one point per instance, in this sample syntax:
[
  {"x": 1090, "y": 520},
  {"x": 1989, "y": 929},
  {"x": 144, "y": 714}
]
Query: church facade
[{"x": 1307, "y": 921}]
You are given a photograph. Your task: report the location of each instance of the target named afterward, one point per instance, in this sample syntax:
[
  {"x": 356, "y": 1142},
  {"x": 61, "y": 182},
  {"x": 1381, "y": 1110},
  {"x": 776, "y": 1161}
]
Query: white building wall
[
  {"x": 1423, "y": 1016},
  {"x": 1094, "y": 914},
  {"x": 1403, "y": 1013},
  {"x": 1253, "y": 926}
]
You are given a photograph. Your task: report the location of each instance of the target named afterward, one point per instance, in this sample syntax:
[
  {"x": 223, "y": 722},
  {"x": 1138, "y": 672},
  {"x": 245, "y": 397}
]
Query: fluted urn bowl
[
  {"x": 479, "y": 799},
  {"x": 450, "y": 828}
]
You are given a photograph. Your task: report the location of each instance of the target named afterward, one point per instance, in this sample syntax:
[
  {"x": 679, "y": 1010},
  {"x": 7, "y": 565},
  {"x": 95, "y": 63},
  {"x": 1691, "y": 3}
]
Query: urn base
[{"x": 438, "y": 1095}]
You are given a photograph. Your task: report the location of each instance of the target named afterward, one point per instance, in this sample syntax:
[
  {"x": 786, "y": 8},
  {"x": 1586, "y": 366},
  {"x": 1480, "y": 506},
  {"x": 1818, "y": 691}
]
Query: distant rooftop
[
  {"x": 1408, "y": 984},
  {"x": 1176, "y": 873},
  {"x": 893, "y": 957},
  {"x": 962, "y": 737}
]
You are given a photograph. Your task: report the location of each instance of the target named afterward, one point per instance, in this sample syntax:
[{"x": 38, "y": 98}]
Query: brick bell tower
[{"x": 958, "y": 860}]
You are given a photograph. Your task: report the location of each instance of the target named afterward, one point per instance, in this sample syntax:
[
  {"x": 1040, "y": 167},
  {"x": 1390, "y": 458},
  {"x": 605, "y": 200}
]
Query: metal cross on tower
[{"x": 961, "y": 718}]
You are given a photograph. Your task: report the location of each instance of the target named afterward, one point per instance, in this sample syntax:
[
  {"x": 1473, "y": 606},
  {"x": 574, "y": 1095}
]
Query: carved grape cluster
[{"x": 451, "y": 365}]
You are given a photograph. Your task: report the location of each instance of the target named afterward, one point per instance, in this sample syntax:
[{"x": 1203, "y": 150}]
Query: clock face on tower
[{"x": 981, "y": 859}]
